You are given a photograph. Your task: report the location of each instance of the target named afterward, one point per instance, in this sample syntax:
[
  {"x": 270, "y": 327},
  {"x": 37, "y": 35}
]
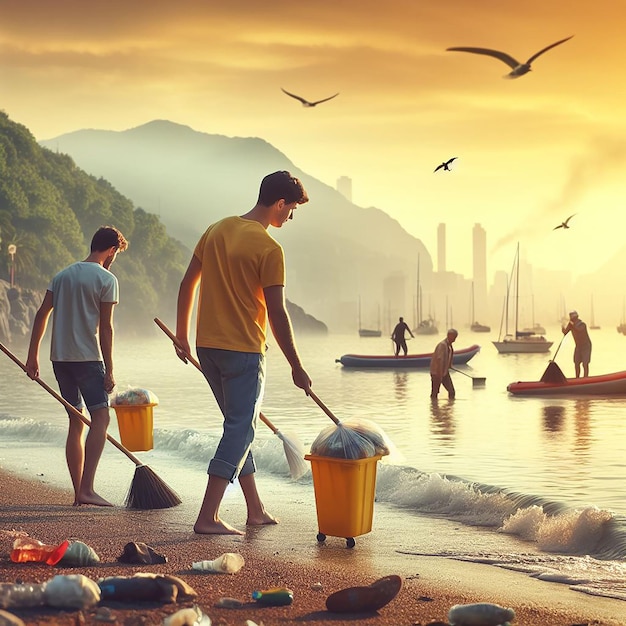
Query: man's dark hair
[
  {"x": 281, "y": 185},
  {"x": 107, "y": 237}
]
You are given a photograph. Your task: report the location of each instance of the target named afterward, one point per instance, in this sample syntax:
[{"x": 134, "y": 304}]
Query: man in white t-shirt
[{"x": 81, "y": 299}]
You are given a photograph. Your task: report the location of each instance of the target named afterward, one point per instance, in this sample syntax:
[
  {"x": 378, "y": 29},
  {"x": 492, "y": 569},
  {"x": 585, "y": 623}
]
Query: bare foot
[
  {"x": 91, "y": 498},
  {"x": 261, "y": 519},
  {"x": 215, "y": 528}
]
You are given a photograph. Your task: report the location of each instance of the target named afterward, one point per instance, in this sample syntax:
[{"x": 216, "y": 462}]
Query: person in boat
[
  {"x": 399, "y": 337},
  {"x": 440, "y": 365},
  {"x": 582, "y": 351},
  {"x": 240, "y": 271}
]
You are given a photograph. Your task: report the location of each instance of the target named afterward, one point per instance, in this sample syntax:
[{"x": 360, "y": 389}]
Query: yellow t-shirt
[{"x": 239, "y": 259}]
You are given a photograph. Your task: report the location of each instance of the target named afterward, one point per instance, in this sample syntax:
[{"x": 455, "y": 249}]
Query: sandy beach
[{"x": 273, "y": 558}]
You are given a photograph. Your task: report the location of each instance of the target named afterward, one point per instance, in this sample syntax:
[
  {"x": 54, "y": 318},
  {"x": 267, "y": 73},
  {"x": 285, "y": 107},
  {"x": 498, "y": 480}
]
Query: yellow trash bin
[
  {"x": 135, "y": 422},
  {"x": 345, "y": 490}
]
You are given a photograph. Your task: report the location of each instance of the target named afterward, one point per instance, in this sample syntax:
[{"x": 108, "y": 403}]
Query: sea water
[{"x": 531, "y": 484}]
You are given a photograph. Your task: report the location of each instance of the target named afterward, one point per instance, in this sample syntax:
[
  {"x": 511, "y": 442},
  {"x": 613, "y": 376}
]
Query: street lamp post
[{"x": 12, "y": 249}]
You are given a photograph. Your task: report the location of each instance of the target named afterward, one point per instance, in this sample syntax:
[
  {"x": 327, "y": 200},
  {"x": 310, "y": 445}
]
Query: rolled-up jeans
[{"x": 237, "y": 380}]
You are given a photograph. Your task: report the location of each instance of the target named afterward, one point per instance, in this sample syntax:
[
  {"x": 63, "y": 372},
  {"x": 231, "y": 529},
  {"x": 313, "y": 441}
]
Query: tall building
[
  {"x": 479, "y": 274},
  {"x": 441, "y": 248},
  {"x": 344, "y": 187}
]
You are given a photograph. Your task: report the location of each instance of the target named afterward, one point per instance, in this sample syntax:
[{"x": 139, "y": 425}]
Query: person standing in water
[
  {"x": 398, "y": 336},
  {"x": 440, "y": 365},
  {"x": 240, "y": 270},
  {"x": 582, "y": 351},
  {"x": 81, "y": 299}
]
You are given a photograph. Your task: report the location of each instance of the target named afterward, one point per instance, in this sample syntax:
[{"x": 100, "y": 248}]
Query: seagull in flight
[
  {"x": 565, "y": 223},
  {"x": 445, "y": 164},
  {"x": 307, "y": 103},
  {"x": 518, "y": 69}
]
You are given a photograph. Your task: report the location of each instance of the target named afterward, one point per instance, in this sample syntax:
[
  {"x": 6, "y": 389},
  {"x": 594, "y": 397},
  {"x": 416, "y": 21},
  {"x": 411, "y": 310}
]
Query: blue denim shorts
[
  {"x": 82, "y": 380},
  {"x": 237, "y": 380}
]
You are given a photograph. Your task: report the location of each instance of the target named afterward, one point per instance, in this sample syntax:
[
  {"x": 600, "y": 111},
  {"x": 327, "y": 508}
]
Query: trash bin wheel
[
  {"x": 321, "y": 537},
  {"x": 350, "y": 542}
]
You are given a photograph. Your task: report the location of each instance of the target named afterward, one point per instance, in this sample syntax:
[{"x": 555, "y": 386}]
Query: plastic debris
[
  {"x": 188, "y": 617},
  {"x": 227, "y": 563},
  {"x": 317, "y": 586},
  {"x": 79, "y": 554},
  {"x": 139, "y": 552},
  {"x": 134, "y": 396},
  {"x": 353, "y": 438},
  {"x": 146, "y": 587},
  {"x": 74, "y": 591},
  {"x": 229, "y": 603},
  {"x": 27, "y": 549},
  {"x": 480, "y": 614},
  {"x": 276, "y": 596},
  {"x": 21, "y": 595}
]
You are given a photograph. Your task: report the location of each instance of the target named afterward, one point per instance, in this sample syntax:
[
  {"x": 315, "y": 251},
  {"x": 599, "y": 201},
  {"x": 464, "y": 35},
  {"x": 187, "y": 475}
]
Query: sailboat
[
  {"x": 593, "y": 325},
  {"x": 368, "y": 332},
  {"x": 521, "y": 341},
  {"x": 424, "y": 326},
  {"x": 535, "y": 329},
  {"x": 476, "y": 327}
]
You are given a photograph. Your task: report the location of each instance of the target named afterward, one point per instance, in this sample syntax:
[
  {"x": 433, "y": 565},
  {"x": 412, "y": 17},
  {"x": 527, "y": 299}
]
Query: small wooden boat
[
  {"x": 368, "y": 332},
  {"x": 480, "y": 328},
  {"x": 604, "y": 385},
  {"x": 460, "y": 357}
]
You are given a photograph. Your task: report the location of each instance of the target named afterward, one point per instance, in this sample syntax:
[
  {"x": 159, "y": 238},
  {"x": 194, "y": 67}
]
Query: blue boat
[{"x": 460, "y": 357}]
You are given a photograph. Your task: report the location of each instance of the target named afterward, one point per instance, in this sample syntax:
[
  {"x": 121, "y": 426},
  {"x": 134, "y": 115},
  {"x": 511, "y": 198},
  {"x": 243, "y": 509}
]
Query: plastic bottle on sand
[
  {"x": 21, "y": 595},
  {"x": 228, "y": 563},
  {"x": 27, "y": 549},
  {"x": 276, "y": 596}
]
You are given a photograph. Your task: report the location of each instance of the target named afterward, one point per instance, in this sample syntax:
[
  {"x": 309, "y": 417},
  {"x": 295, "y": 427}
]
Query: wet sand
[{"x": 274, "y": 557}]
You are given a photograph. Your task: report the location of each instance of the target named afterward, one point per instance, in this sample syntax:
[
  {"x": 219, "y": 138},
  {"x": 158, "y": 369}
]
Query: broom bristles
[
  {"x": 148, "y": 491},
  {"x": 294, "y": 451}
]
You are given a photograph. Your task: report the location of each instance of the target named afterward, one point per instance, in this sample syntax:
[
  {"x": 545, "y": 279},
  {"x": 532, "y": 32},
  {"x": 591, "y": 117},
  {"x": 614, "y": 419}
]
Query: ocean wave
[{"x": 550, "y": 525}]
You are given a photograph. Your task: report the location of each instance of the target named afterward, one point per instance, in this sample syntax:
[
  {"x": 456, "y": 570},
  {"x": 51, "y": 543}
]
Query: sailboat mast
[
  {"x": 419, "y": 294},
  {"x": 517, "y": 291}
]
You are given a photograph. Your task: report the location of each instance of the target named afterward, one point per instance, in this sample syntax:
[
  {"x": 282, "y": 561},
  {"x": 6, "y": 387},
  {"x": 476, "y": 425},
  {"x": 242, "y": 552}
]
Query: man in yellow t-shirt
[{"x": 240, "y": 270}]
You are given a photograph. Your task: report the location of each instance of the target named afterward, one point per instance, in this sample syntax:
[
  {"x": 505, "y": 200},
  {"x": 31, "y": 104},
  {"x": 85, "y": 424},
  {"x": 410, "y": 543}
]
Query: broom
[
  {"x": 147, "y": 491},
  {"x": 293, "y": 449}
]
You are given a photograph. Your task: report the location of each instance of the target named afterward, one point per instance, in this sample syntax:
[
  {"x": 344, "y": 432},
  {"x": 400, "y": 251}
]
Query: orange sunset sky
[{"x": 531, "y": 151}]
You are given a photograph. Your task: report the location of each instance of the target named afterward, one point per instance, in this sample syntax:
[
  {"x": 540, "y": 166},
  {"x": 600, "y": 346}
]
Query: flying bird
[
  {"x": 564, "y": 224},
  {"x": 445, "y": 164},
  {"x": 518, "y": 69},
  {"x": 307, "y": 103}
]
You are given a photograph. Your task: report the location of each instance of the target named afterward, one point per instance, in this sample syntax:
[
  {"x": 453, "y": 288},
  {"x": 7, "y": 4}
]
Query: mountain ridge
[{"x": 335, "y": 250}]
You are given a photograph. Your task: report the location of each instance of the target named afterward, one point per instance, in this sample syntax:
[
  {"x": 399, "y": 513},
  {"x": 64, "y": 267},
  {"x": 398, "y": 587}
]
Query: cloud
[{"x": 603, "y": 162}]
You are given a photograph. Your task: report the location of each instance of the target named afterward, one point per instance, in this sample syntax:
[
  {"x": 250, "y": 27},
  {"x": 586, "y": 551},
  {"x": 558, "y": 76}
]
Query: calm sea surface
[{"x": 550, "y": 472}]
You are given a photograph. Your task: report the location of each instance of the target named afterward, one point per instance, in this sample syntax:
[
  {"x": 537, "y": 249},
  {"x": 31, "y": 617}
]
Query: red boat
[{"x": 606, "y": 385}]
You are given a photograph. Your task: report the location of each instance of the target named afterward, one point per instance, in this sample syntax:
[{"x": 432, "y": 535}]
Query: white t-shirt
[{"x": 77, "y": 292}]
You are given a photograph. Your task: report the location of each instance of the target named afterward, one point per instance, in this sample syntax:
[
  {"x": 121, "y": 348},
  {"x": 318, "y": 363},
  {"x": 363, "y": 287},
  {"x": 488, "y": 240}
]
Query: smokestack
[{"x": 344, "y": 187}]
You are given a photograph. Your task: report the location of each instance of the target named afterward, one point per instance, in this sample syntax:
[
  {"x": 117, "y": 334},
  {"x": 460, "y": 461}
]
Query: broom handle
[
  {"x": 72, "y": 409},
  {"x": 194, "y": 361},
  {"x": 324, "y": 407}
]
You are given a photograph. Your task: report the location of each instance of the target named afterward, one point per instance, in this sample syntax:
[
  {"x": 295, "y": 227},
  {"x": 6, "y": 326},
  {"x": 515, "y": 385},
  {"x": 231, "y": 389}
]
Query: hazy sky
[{"x": 531, "y": 151}]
